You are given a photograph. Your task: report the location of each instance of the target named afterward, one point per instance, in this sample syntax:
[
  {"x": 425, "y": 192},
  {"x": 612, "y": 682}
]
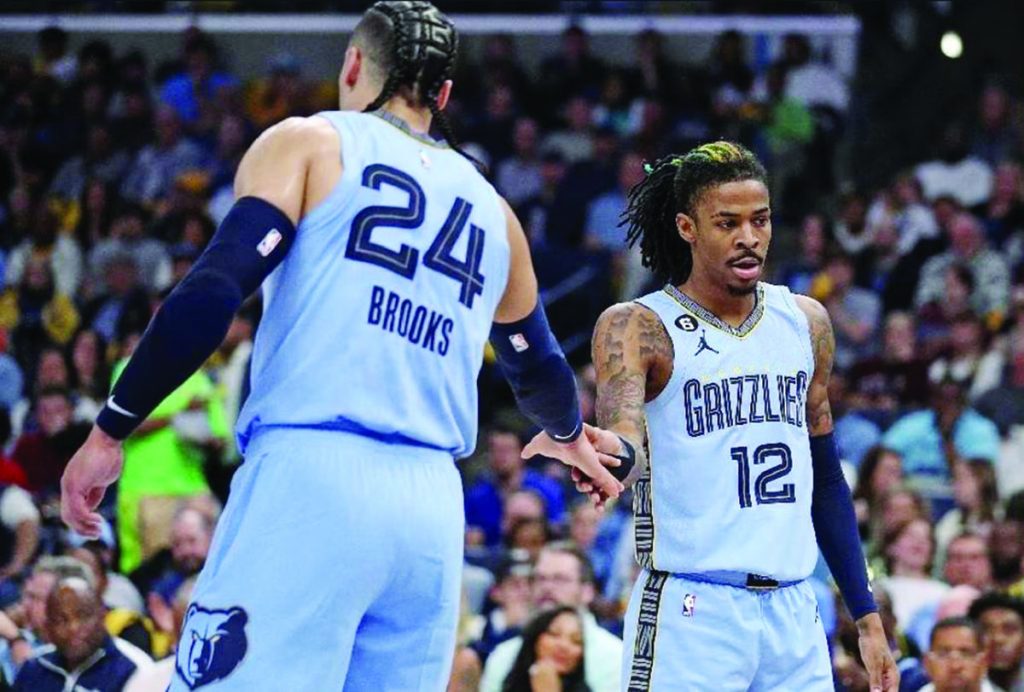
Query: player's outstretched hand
[
  {"x": 883, "y": 675},
  {"x": 95, "y": 465},
  {"x": 580, "y": 454},
  {"x": 608, "y": 446}
]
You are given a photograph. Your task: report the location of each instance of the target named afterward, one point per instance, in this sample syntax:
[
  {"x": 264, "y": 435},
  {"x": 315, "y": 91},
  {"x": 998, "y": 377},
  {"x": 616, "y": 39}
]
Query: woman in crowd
[{"x": 551, "y": 658}]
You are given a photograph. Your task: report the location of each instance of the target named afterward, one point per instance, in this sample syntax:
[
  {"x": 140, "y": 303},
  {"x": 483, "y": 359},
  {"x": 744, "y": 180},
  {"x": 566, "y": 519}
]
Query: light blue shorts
[
  {"x": 336, "y": 566},
  {"x": 684, "y": 634}
]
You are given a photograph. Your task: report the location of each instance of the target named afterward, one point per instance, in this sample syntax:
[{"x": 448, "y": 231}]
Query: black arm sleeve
[{"x": 253, "y": 239}]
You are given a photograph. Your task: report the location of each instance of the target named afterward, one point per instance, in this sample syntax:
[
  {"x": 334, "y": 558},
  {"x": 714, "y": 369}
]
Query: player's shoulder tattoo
[
  {"x": 629, "y": 340},
  {"x": 823, "y": 339}
]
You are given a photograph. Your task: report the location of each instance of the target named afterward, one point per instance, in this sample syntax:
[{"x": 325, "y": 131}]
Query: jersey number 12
[
  {"x": 762, "y": 494},
  {"x": 404, "y": 260}
]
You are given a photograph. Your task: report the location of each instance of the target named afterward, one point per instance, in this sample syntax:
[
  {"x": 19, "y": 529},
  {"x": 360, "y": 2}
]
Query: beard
[{"x": 741, "y": 290}]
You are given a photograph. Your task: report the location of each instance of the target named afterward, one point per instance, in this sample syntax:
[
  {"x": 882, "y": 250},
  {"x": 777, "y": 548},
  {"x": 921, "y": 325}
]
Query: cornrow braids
[
  {"x": 674, "y": 184},
  {"x": 420, "y": 56}
]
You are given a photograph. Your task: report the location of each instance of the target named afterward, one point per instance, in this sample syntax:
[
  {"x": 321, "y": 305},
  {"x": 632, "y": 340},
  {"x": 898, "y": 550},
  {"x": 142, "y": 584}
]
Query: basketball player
[
  {"x": 384, "y": 258},
  {"x": 723, "y": 379}
]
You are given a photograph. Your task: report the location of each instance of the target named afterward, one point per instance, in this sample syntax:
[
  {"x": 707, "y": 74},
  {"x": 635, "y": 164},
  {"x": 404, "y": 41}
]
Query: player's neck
[
  {"x": 730, "y": 308},
  {"x": 418, "y": 119}
]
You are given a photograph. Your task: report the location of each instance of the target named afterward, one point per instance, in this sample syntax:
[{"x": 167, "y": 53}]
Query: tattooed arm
[
  {"x": 632, "y": 354},
  {"x": 823, "y": 345},
  {"x": 835, "y": 524}
]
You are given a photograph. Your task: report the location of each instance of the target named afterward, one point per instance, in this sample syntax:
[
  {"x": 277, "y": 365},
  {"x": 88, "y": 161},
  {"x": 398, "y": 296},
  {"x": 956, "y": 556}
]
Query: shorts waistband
[{"x": 743, "y": 580}]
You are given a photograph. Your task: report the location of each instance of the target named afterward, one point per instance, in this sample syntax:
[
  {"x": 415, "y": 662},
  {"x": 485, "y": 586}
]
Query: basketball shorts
[
  {"x": 335, "y": 566},
  {"x": 687, "y": 634}
]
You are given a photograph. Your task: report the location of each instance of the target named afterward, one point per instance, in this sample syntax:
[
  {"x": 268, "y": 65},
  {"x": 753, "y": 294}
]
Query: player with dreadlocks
[
  {"x": 714, "y": 391},
  {"x": 386, "y": 261}
]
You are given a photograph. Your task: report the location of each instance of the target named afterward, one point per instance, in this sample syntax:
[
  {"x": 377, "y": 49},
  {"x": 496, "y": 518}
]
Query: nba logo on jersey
[
  {"x": 689, "y": 605},
  {"x": 519, "y": 342}
]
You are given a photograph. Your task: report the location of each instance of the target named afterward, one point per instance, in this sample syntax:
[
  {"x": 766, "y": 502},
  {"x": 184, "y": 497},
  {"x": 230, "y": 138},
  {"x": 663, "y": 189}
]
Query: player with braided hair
[
  {"x": 715, "y": 391},
  {"x": 386, "y": 262}
]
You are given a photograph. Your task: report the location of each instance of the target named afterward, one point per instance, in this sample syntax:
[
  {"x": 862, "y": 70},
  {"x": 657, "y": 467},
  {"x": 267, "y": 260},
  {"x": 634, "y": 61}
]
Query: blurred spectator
[
  {"x": 117, "y": 590},
  {"x": 44, "y": 453},
  {"x": 486, "y": 498},
  {"x": 84, "y": 653},
  {"x": 968, "y": 358},
  {"x": 59, "y": 252},
  {"x": 232, "y": 377},
  {"x": 574, "y": 141},
  {"x": 134, "y": 115},
  {"x": 191, "y": 533},
  {"x": 1006, "y": 545},
  {"x": 729, "y": 76},
  {"x": 101, "y": 161},
  {"x": 880, "y": 472},
  {"x": 851, "y": 228},
  {"x": 896, "y": 378},
  {"x": 935, "y": 320},
  {"x": 281, "y": 94},
  {"x": 28, "y": 637},
  {"x": 528, "y": 534},
  {"x": 19, "y": 537},
  {"x": 53, "y": 58},
  {"x": 158, "y": 165},
  {"x": 233, "y": 139},
  {"x": 1004, "y": 216},
  {"x": 90, "y": 375},
  {"x": 551, "y": 654},
  {"x": 191, "y": 92},
  {"x": 856, "y": 433},
  {"x": 809, "y": 81},
  {"x": 976, "y": 497},
  {"x": 966, "y": 178},
  {"x": 855, "y": 311},
  {"x": 968, "y": 562},
  {"x": 901, "y": 207},
  {"x": 536, "y": 212},
  {"x": 932, "y": 440},
  {"x": 124, "y": 306},
  {"x": 518, "y": 177},
  {"x": 12, "y": 381},
  {"x": 604, "y": 233},
  {"x": 954, "y": 603},
  {"x": 956, "y": 658},
  {"x": 163, "y": 465},
  {"x": 127, "y": 624},
  {"x": 563, "y": 577},
  {"x": 797, "y": 273},
  {"x": 996, "y": 139},
  {"x": 1005, "y": 404},
  {"x": 128, "y": 237},
  {"x": 1002, "y": 624},
  {"x": 787, "y": 128},
  {"x": 97, "y": 205},
  {"x": 909, "y": 549},
  {"x": 990, "y": 297},
  {"x": 572, "y": 70},
  {"x": 36, "y": 313}
]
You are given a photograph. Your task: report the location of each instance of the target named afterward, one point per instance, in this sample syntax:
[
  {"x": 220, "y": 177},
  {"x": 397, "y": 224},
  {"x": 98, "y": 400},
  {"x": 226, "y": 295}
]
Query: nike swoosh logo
[
  {"x": 118, "y": 409},
  {"x": 561, "y": 438}
]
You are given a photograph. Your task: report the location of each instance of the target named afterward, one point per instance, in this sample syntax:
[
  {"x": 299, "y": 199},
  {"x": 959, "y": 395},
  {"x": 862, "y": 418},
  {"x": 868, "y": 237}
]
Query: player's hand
[
  {"x": 580, "y": 454},
  {"x": 95, "y": 465},
  {"x": 608, "y": 446},
  {"x": 883, "y": 675}
]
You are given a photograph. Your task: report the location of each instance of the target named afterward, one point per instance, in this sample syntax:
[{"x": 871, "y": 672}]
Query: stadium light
[{"x": 951, "y": 45}]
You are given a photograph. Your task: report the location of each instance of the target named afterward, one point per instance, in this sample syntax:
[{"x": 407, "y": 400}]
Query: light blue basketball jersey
[
  {"x": 375, "y": 323},
  {"x": 730, "y": 479}
]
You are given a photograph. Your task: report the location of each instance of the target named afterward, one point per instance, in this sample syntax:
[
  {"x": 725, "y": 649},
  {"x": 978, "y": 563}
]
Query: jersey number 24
[{"x": 405, "y": 259}]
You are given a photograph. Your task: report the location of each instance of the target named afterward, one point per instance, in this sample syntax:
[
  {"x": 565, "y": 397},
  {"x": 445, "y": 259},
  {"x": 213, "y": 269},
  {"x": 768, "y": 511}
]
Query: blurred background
[{"x": 893, "y": 134}]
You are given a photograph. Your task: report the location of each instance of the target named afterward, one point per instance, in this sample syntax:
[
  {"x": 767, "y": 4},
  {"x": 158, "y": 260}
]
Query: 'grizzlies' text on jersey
[
  {"x": 730, "y": 479},
  {"x": 376, "y": 321}
]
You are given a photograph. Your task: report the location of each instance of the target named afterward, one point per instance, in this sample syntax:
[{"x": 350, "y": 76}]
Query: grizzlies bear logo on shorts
[{"x": 212, "y": 644}]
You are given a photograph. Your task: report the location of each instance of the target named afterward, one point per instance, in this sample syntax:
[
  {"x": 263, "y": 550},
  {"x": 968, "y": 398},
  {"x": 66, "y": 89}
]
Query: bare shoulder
[
  {"x": 823, "y": 341},
  {"x": 632, "y": 323},
  {"x": 299, "y": 134}
]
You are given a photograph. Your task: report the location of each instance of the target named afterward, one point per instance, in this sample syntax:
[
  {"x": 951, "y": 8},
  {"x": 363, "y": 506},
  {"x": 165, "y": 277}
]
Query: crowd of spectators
[{"x": 114, "y": 172}]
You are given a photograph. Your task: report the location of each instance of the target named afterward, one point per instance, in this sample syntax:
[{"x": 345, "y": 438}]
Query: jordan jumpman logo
[{"x": 703, "y": 345}]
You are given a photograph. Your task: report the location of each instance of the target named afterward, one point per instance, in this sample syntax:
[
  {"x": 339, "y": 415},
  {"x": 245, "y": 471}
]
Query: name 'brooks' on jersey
[
  {"x": 409, "y": 256},
  {"x": 730, "y": 479}
]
